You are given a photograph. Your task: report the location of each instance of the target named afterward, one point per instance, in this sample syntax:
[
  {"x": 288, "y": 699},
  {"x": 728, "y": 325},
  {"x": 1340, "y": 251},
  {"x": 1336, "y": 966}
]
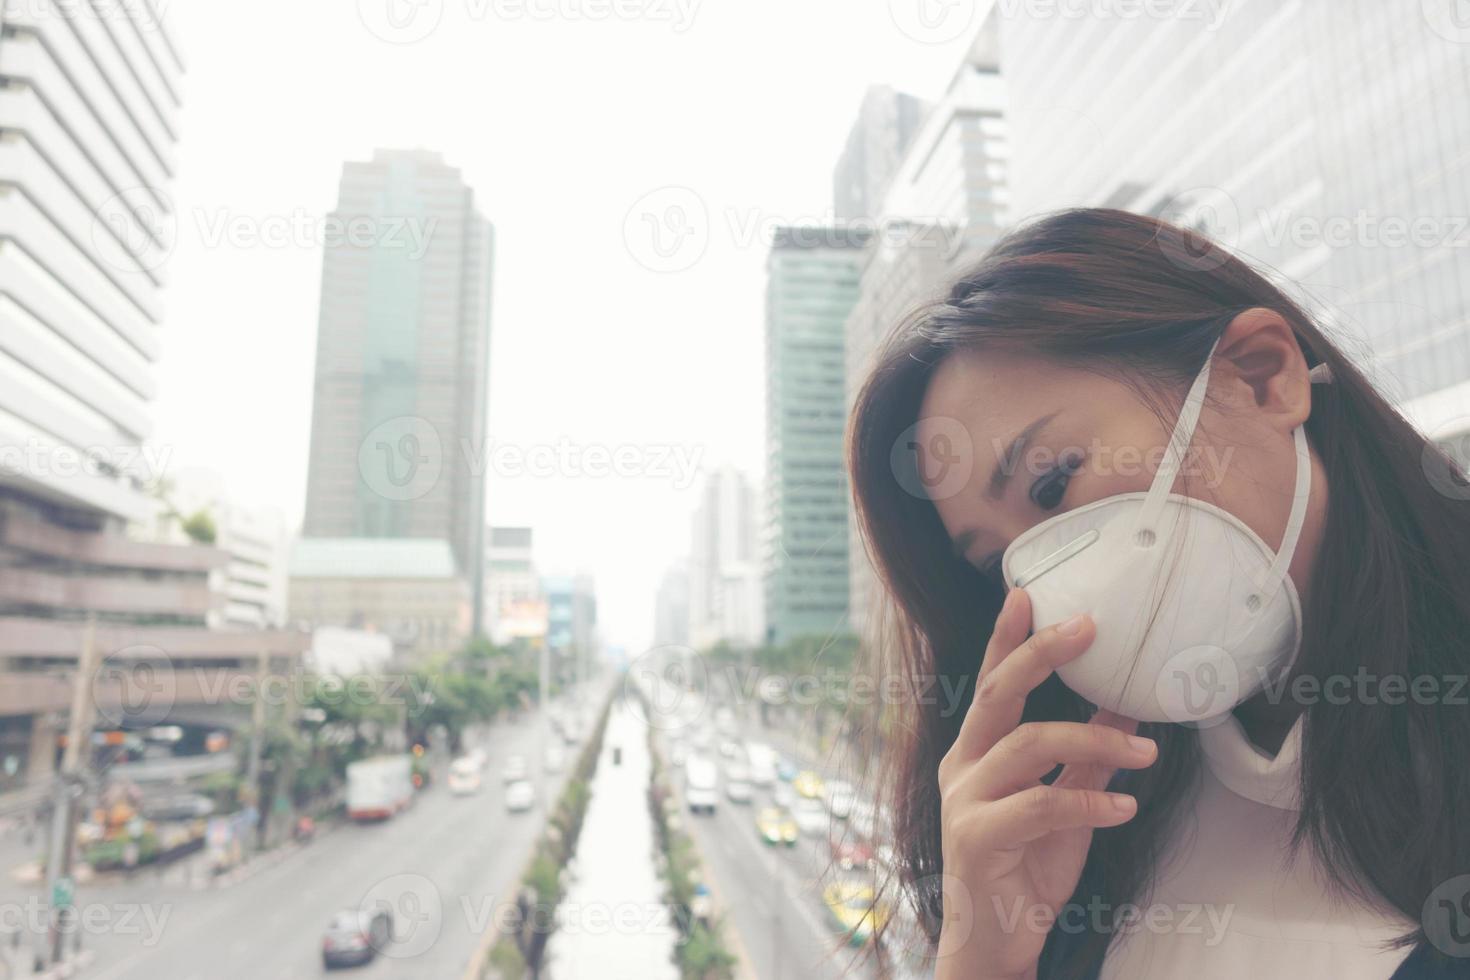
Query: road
[{"x": 443, "y": 867}]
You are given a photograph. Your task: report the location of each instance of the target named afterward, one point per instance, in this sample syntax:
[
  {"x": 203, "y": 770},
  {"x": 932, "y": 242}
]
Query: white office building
[{"x": 725, "y": 595}]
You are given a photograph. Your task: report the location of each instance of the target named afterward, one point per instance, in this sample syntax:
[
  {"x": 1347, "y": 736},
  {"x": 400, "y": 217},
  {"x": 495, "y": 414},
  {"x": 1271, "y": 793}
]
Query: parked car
[
  {"x": 809, "y": 785},
  {"x": 776, "y": 826},
  {"x": 519, "y": 796},
  {"x": 355, "y": 936}
]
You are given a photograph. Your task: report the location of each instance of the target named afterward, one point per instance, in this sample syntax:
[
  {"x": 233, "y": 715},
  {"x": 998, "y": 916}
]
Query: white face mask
[{"x": 1194, "y": 612}]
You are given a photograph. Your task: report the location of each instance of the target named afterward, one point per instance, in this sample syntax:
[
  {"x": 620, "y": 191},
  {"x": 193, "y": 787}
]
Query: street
[{"x": 442, "y": 867}]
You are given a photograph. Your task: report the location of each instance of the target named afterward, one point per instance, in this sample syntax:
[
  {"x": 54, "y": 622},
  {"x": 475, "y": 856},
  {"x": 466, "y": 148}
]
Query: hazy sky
[{"x": 564, "y": 116}]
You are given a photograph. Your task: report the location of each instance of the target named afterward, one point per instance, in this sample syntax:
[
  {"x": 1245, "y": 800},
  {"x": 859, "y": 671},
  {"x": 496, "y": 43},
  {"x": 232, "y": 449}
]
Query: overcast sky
[{"x": 564, "y": 116}]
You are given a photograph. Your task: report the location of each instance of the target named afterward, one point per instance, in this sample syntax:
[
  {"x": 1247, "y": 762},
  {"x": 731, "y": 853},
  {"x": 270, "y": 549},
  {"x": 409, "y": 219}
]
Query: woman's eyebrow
[{"x": 1006, "y": 464}]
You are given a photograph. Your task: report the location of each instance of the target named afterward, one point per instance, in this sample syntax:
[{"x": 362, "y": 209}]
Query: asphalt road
[{"x": 442, "y": 867}]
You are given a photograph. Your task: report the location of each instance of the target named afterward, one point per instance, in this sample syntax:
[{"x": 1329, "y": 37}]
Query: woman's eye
[{"x": 1048, "y": 491}]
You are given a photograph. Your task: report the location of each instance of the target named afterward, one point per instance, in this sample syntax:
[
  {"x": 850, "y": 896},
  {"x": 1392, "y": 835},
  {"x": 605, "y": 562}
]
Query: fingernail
[
  {"x": 1073, "y": 626},
  {"x": 1123, "y": 803},
  {"x": 1141, "y": 745}
]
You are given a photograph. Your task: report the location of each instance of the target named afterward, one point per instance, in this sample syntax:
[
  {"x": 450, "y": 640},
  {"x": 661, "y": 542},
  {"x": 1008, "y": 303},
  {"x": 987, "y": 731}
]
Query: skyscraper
[
  {"x": 1326, "y": 141},
  {"x": 812, "y": 280},
  {"x": 886, "y": 124},
  {"x": 725, "y": 599},
  {"x": 398, "y": 425}
]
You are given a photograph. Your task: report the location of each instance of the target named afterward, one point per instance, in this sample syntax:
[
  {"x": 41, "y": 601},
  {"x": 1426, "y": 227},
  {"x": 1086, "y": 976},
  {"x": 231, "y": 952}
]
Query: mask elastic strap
[
  {"x": 1272, "y": 577},
  {"x": 1146, "y": 530}
]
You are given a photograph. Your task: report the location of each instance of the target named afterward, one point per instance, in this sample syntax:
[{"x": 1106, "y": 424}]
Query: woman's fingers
[
  {"x": 1012, "y": 626},
  {"x": 1000, "y": 694},
  {"x": 1093, "y": 776},
  {"x": 1042, "y": 810},
  {"x": 1031, "y": 751}
]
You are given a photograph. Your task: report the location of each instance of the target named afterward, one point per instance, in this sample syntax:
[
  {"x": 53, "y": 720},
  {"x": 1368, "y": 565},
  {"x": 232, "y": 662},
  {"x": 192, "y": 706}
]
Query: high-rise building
[
  {"x": 571, "y": 622},
  {"x": 671, "y": 608},
  {"x": 887, "y": 122},
  {"x": 398, "y": 423},
  {"x": 812, "y": 280},
  {"x": 89, "y": 120},
  {"x": 946, "y": 204},
  {"x": 725, "y": 596},
  {"x": 1328, "y": 142},
  {"x": 515, "y": 608}
]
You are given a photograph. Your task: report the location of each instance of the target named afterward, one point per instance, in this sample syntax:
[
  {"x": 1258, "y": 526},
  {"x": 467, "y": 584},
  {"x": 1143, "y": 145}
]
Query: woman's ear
[{"x": 1260, "y": 354}]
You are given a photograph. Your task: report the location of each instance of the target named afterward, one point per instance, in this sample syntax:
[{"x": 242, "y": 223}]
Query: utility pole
[
  {"x": 68, "y": 786},
  {"x": 543, "y": 688},
  {"x": 257, "y": 744}
]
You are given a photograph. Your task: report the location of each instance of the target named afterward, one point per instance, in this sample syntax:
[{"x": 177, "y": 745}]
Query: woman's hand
[{"x": 1013, "y": 846}]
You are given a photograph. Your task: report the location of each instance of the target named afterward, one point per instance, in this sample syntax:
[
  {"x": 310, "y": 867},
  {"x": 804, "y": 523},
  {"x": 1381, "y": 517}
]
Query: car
[
  {"x": 700, "y": 791},
  {"x": 785, "y": 770},
  {"x": 852, "y": 853},
  {"x": 856, "y": 908},
  {"x": 730, "y": 749},
  {"x": 464, "y": 777},
  {"x": 809, "y": 785},
  {"x": 839, "y": 799},
  {"x": 783, "y": 795},
  {"x": 478, "y": 756},
  {"x": 355, "y": 936},
  {"x": 514, "y": 769},
  {"x": 555, "y": 760},
  {"x": 737, "y": 790},
  {"x": 776, "y": 826},
  {"x": 519, "y": 796},
  {"x": 811, "y": 817},
  {"x": 762, "y": 764}
]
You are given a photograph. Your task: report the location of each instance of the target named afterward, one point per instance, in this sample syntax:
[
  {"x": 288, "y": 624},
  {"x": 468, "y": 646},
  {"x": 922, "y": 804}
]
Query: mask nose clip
[{"x": 1067, "y": 551}]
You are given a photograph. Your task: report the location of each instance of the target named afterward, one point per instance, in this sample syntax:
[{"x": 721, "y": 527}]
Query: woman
[{"x": 1263, "y": 768}]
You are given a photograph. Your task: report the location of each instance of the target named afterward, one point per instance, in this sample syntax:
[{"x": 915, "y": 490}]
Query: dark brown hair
[{"x": 1386, "y": 788}]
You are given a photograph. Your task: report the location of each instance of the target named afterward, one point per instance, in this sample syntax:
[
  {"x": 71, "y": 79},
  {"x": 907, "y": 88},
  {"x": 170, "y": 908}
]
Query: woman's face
[{"x": 1007, "y": 441}]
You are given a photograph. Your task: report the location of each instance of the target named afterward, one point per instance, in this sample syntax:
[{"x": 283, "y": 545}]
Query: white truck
[
  {"x": 701, "y": 784},
  {"x": 378, "y": 788},
  {"x": 762, "y": 763}
]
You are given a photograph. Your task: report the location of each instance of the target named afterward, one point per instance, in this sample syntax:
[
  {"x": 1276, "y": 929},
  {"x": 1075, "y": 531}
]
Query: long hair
[{"x": 1385, "y": 787}]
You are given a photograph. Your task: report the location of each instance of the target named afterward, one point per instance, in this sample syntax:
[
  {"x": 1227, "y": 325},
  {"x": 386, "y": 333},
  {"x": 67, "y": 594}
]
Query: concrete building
[
  {"x": 403, "y": 353},
  {"x": 812, "y": 283},
  {"x": 571, "y": 619},
  {"x": 945, "y": 205},
  {"x": 671, "y": 608},
  {"x": 252, "y": 581},
  {"x": 89, "y": 118},
  {"x": 406, "y": 588},
  {"x": 1327, "y": 142},
  {"x": 515, "y": 608},
  {"x": 725, "y": 597},
  {"x": 887, "y": 122}
]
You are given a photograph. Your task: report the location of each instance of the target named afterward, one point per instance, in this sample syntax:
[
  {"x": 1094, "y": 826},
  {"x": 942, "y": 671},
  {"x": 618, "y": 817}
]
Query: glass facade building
[
  {"x": 1327, "y": 142},
  {"x": 402, "y": 362},
  {"x": 812, "y": 283}
]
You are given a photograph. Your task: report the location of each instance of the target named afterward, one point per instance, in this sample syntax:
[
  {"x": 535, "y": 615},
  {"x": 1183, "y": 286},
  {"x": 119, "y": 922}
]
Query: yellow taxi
[
  {"x": 856, "y": 908},
  {"x": 809, "y": 785},
  {"x": 776, "y": 826}
]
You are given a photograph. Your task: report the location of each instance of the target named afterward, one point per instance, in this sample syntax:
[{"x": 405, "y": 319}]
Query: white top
[{"x": 1230, "y": 900}]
